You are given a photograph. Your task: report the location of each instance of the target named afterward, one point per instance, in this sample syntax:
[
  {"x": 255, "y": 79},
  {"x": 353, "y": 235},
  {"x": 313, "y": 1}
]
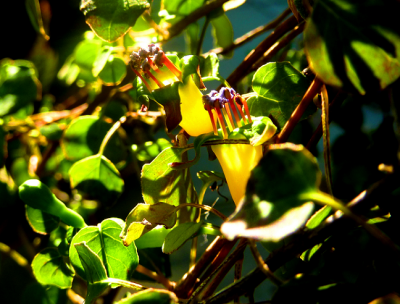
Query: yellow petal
[
  {"x": 237, "y": 161},
  {"x": 195, "y": 120}
]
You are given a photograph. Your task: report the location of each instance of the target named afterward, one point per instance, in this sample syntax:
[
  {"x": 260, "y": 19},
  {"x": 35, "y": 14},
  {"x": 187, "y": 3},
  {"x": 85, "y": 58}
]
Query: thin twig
[
  {"x": 314, "y": 89},
  {"x": 18, "y": 258},
  {"x": 325, "y": 134},
  {"x": 273, "y": 50},
  {"x": 242, "y": 70},
  {"x": 202, "y": 35},
  {"x": 205, "y": 207},
  {"x": 251, "y": 35},
  {"x": 237, "y": 276},
  {"x": 178, "y": 27},
  {"x": 46, "y": 156},
  {"x": 183, "y": 287},
  {"x": 159, "y": 277},
  {"x": 74, "y": 297},
  {"x": 263, "y": 266},
  {"x": 110, "y": 133}
]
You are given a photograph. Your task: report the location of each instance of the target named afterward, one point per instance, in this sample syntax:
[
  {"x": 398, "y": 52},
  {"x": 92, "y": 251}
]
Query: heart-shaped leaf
[
  {"x": 274, "y": 204},
  {"x": 97, "y": 177},
  {"x": 144, "y": 218},
  {"x": 49, "y": 268},
  {"x": 120, "y": 261}
]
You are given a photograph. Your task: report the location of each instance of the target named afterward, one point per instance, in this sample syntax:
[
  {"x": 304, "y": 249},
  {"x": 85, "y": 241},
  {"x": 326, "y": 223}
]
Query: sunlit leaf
[
  {"x": 222, "y": 31},
  {"x": 41, "y": 222},
  {"x": 111, "y": 19},
  {"x": 97, "y": 177},
  {"x": 145, "y": 217},
  {"x": 49, "y": 268},
  {"x": 153, "y": 238},
  {"x": 149, "y": 150},
  {"x": 354, "y": 45},
  {"x": 37, "y": 293},
  {"x": 272, "y": 207},
  {"x": 113, "y": 71},
  {"x": 154, "y": 296},
  {"x": 179, "y": 235},
  {"x": 119, "y": 261}
]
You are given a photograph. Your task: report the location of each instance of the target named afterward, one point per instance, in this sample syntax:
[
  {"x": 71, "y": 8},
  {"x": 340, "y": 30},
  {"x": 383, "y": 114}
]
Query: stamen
[
  {"x": 168, "y": 63},
  {"x": 227, "y": 112},
  {"x": 143, "y": 80},
  {"x": 208, "y": 108},
  {"x": 232, "y": 105},
  {"x": 160, "y": 84},
  {"x": 246, "y": 108},
  {"x": 221, "y": 121}
]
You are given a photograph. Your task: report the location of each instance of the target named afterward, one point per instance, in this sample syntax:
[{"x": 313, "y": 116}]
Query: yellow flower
[{"x": 157, "y": 71}]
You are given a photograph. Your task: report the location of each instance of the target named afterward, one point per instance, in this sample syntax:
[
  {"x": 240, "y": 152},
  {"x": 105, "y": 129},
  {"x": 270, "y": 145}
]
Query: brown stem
[
  {"x": 252, "y": 34},
  {"x": 207, "y": 288},
  {"x": 183, "y": 287},
  {"x": 273, "y": 50},
  {"x": 159, "y": 277},
  {"x": 333, "y": 111},
  {"x": 243, "y": 69},
  {"x": 305, "y": 240},
  {"x": 238, "y": 275},
  {"x": 314, "y": 89},
  {"x": 178, "y": 27},
  {"x": 74, "y": 297}
]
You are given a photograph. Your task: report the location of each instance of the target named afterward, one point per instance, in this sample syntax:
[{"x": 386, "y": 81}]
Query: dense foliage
[{"x": 105, "y": 133}]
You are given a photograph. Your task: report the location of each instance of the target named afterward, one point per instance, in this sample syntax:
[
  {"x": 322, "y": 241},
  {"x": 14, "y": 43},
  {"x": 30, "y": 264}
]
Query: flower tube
[
  {"x": 237, "y": 160},
  {"x": 156, "y": 71}
]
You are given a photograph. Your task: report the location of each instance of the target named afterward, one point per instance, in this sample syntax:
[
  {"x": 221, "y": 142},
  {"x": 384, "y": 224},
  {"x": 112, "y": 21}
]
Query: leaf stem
[
  {"x": 159, "y": 277},
  {"x": 314, "y": 89},
  {"x": 110, "y": 133},
  {"x": 205, "y": 207},
  {"x": 202, "y": 35},
  {"x": 126, "y": 284}
]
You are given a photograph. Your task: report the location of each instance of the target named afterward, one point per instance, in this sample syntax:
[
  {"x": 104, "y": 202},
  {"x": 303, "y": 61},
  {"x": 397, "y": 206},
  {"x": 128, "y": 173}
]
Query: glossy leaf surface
[
  {"x": 50, "y": 269},
  {"x": 354, "y": 45},
  {"x": 154, "y": 296},
  {"x": 179, "y": 235},
  {"x": 111, "y": 19},
  {"x": 97, "y": 177},
  {"x": 120, "y": 261},
  {"x": 272, "y": 207},
  {"x": 41, "y": 222},
  {"x": 145, "y": 217}
]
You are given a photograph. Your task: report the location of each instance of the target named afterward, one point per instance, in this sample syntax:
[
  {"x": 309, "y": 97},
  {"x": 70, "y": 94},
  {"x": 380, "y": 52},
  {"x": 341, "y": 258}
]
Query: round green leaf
[
  {"x": 41, "y": 222},
  {"x": 111, "y": 19},
  {"x": 49, "y": 268},
  {"x": 354, "y": 45},
  {"x": 97, "y": 177},
  {"x": 119, "y": 261},
  {"x": 113, "y": 71},
  {"x": 84, "y": 136}
]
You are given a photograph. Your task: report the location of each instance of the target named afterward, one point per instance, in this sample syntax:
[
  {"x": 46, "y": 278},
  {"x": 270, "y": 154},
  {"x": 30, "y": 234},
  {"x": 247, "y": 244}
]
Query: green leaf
[
  {"x": 169, "y": 98},
  {"x": 222, "y": 32},
  {"x": 190, "y": 65},
  {"x": 153, "y": 296},
  {"x": 94, "y": 270},
  {"x": 282, "y": 83},
  {"x": 207, "y": 178},
  {"x": 83, "y": 138},
  {"x": 86, "y": 53},
  {"x": 145, "y": 217},
  {"x": 182, "y": 8},
  {"x": 41, "y": 222},
  {"x": 15, "y": 75},
  {"x": 49, "y": 268},
  {"x": 318, "y": 217},
  {"x": 273, "y": 208},
  {"x": 140, "y": 93},
  {"x": 149, "y": 150},
  {"x": 35, "y": 15},
  {"x": 161, "y": 183},
  {"x": 52, "y": 131},
  {"x": 120, "y": 261},
  {"x": 210, "y": 66},
  {"x": 101, "y": 60},
  {"x": 113, "y": 72},
  {"x": 111, "y": 19},
  {"x": 153, "y": 238},
  {"x": 192, "y": 37},
  {"x": 97, "y": 177},
  {"x": 179, "y": 235},
  {"x": 354, "y": 45},
  {"x": 261, "y": 106}
]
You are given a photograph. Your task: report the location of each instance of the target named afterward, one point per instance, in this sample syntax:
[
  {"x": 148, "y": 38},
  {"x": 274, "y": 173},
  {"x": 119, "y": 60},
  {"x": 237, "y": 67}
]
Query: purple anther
[
  {"x": 153, "y": 49},
  {"x": 238, "y": 100},
  {"x": 143, "y": 53},
  {"x": 213, "y": 93},
  {"x": 210, "y": 100},
  {"x": 158, "y": 57},
  {"x": 146, "y": 65}
]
